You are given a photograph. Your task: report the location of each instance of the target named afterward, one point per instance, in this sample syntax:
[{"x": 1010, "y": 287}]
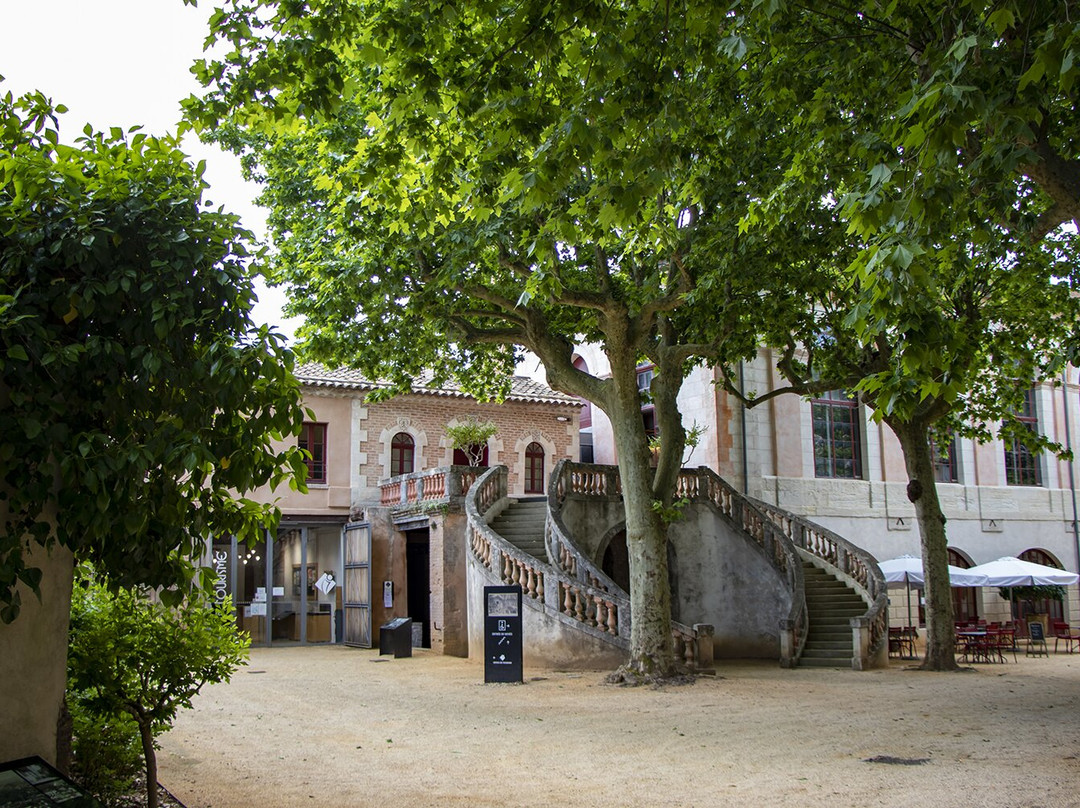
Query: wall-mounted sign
[{"x": 502, "y": 634}]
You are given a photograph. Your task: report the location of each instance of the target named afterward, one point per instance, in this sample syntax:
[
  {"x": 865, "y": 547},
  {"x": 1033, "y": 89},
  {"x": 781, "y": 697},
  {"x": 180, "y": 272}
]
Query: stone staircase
[
  {"x": 522, "y": 524},
  {"x": 830, "y": 605}
]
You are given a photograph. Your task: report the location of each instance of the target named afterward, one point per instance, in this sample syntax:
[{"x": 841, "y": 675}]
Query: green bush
[
  {"x": 107, "y": 751},
  {"x": 142, "y": 661}
]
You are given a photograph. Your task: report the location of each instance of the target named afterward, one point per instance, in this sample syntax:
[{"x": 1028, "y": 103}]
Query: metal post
[
  {"x": 268, "y": 621},
  {"x": 303, "y": 585}
]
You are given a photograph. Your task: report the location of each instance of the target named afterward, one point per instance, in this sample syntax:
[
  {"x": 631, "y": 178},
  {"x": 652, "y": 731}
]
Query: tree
[
  {"x": 471, "y": 437},
  {"x": 948, "y": 134},
  {"x": 139, "y": 401},
  {"x": 449, "y": 182},
  {"x": 132, "y": 656}
]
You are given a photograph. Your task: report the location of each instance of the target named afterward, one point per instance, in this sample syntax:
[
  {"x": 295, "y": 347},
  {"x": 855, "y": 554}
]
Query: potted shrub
[{"x": 1029, "y": 596}]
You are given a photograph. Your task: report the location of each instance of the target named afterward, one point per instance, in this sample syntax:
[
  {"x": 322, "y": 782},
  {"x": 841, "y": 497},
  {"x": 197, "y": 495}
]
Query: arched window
[
  {"x": 1053, "y": 609},
  {"x": 964, "y": 604},
  {"x": 534, "y": 468},
  {"x": 401, "y": 454}
]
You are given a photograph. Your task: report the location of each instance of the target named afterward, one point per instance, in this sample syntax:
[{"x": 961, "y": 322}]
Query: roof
[{"x": 522, "y": 388}]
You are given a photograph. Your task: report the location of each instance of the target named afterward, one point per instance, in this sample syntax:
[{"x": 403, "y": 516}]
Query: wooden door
[{"x": 356, "y": 599}]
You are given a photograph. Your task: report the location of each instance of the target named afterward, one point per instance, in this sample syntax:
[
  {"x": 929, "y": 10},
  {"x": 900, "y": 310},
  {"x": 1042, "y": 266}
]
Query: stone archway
[{"x": 615, "y": 564}]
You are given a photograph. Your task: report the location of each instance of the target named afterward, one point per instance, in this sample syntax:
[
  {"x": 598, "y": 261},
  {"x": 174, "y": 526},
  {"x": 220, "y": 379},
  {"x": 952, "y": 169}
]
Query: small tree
[
  {"x": 135, "y": 657},
  {"x": 471, "y": 438}
]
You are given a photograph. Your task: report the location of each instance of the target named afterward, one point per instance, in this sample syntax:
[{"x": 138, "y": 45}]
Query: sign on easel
[{"x": 502, "y": 634}]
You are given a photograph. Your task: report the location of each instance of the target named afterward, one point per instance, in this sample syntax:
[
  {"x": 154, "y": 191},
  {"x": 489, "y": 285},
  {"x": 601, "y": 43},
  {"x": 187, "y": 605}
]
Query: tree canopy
[
  {"x": 677, "y": 184},
  {"x": 139, "y": 401}
]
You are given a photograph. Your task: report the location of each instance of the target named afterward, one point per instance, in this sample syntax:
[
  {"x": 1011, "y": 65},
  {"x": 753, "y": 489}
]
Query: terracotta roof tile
[{"x": 522, "y": 388}]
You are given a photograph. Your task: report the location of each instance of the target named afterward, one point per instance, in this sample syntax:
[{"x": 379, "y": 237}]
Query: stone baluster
[
  {"x": 612, "y": 620},
  {"x": 568, "y": 601},
  {"x": 531, "y": 583}
]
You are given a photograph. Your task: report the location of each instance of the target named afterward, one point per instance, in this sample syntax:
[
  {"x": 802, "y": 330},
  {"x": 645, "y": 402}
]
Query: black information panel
[
  {"x": 33, "y": 783},
  {"x": 502, "y": 634}
]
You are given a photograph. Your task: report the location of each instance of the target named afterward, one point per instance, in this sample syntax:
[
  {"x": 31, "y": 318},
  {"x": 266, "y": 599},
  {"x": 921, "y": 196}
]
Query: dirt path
[{"x": 336, "y": 726}]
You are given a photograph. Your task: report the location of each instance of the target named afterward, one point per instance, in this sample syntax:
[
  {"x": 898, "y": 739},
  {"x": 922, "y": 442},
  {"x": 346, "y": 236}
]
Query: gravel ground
[{"x": 335, "y": 726}]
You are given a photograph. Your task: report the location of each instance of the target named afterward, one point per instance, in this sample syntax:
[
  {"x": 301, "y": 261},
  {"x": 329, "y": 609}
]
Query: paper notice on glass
[
  {"x": 256, "y": 610},
  {"x": 326, "y": 583},
  {"x": 260, "y": 594},
  {"x": 279, "y": 591}
]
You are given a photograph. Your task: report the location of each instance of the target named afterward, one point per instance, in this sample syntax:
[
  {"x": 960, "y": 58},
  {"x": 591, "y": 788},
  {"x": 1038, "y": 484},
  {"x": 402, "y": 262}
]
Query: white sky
[{"x": 125, "y": 63}]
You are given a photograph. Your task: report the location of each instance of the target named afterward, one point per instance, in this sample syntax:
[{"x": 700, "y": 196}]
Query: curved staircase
[
  {"x": 522, "y": 524},
  {"x": 830, "y": 606},
  {"x": 838, "y": 615}
]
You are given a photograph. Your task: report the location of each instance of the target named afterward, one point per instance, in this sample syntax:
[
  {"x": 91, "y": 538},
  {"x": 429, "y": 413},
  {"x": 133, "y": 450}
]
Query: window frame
[
  {"x": 1022, "y": 466},
  {"x": 824, "y": 410},
  {"x": 398, "y": 454},
  {"x": 534, "y": 477},
  {"x": 317, "y": 466},
  {"x": 946, "y": 469}
]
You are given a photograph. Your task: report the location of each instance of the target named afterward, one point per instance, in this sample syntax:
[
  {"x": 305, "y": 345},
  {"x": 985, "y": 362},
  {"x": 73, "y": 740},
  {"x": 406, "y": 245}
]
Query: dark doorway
[
  {"x": 418, "y": 580},
  {"x": 616, "y": 566},
  {"x": 616, "y": 561}
]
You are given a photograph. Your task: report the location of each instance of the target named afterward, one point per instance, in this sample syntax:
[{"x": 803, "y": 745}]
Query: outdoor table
[{"x": 979, "y": 646}]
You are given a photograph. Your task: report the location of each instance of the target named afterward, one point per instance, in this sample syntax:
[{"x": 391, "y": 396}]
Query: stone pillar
[
  {"x": 33, "y": 660},
  {"x": 705, "y": 634},
  {"x": 860, "y": 643}
]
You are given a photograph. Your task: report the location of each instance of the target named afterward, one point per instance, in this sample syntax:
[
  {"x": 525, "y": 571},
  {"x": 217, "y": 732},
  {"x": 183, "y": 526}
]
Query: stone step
[
  {"x": 826, "y": 652},
  {"x": 825, "y": 662}
]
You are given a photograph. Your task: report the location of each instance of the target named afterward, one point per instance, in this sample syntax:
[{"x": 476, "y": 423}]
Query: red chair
[{"x": 1063, "y": 632}]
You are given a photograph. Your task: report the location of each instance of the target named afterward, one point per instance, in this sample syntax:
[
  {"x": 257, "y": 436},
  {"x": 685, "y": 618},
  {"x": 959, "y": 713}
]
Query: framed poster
[{"x": 310, "y": 579}]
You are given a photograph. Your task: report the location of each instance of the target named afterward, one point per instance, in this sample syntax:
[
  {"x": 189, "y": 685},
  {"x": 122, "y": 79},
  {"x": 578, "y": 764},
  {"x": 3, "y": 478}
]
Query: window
[
  {"x": 313, "y": 441},
  {"x": 648, "y": 413},
  {"x": 585, "y": 419},
  {"x": 1021, "y": 466},
  {"x": 534, "y": 468},
  {"x": 944, "y": 460},
  {"x": 837, "y": 444},
  {"x": 462, "y": 459},
  {"x": 586, "y": 447},
  {"x": 401, "y": 454},
  {"x": 1053, "y": 609}
]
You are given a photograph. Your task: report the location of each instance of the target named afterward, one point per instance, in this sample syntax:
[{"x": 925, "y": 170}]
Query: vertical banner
[
  {"x": 219, "y": 563},
  {"x": 502, "y": 634}
]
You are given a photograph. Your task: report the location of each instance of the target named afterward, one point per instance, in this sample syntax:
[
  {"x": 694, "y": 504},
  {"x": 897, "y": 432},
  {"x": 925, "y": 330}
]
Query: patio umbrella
[
  {"x": 907, "y": 569},
  {"x": 1009, "y": 571}
]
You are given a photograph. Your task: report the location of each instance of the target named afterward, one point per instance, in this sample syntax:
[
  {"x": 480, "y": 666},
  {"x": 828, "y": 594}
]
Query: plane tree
[
  {"x": 140, "y": 402},
  {"x": 448, "y": 184},
  {"x": 949, "y": 130}
]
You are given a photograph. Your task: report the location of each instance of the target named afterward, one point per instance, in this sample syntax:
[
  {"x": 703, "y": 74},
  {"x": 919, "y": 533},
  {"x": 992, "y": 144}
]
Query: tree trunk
[
  {"x": 33, "y": 660},
  {"x": 146, "y": 732},
  {"x": 922, "y": 491},
  {"x": 651, "y": 651}
]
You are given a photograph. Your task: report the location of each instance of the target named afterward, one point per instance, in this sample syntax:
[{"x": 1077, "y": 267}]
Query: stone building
[{"x": 828, "y": 461}]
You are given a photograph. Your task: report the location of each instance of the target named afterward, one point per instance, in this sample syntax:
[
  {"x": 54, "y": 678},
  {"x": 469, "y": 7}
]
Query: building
[
  {"x": 828, "y": 461},
  {"x": 379, "y": 534}
]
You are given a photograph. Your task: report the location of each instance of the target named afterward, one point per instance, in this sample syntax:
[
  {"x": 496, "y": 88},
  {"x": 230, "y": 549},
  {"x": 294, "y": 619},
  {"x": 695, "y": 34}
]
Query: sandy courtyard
[{"x": 335, "y": 726}]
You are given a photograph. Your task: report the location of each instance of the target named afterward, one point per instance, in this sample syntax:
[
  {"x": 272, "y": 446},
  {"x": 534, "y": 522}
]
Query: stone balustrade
[
  {"x": 574, "y": 589},
  {"x": 870, "y": 631},
  {"x": 444, "y": 485}
]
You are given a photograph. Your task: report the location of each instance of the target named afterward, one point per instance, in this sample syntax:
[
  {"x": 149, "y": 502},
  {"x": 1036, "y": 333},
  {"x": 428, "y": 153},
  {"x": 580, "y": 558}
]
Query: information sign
[{"x": 502, "y": 634}]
